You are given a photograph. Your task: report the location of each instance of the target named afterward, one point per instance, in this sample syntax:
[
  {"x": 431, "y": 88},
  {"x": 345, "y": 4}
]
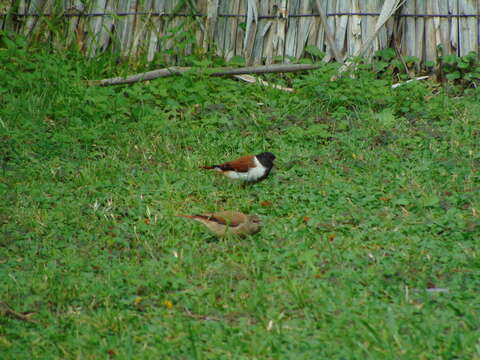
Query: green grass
[{"x": 374, "y": 198}]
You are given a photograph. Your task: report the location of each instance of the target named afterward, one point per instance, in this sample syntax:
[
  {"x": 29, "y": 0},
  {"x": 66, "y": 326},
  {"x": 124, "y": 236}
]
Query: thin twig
[
  {"x": 406, "y": 82},
  {"x": 200, "y": 317},
  {"x": 6, "y": 310},
  {"x": 253, "y": 80}
]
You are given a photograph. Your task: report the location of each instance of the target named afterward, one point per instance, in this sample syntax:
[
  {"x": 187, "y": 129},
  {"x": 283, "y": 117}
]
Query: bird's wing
[
  {"x": 242, "y": 164},
  {"x": 228, "y": 218}
]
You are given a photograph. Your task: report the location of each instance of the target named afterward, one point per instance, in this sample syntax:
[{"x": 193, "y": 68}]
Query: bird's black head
[{"x": 266, "y": 158}]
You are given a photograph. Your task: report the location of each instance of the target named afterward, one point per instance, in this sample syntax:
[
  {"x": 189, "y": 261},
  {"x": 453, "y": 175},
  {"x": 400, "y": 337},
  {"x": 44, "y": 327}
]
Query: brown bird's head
[
  {"x": 255, "y": 219},
  {"x": 254, "y": 224}
]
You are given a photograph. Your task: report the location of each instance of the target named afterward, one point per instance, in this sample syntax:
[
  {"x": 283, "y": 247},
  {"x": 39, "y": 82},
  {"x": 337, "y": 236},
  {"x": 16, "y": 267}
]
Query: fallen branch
[
  {"x": 150, "y": 75},
  {"x": 253, "y": 80}
]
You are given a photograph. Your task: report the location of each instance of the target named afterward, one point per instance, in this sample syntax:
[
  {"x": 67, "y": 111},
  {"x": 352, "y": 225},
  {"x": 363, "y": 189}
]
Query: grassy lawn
[{"x": 374, "y": 200}]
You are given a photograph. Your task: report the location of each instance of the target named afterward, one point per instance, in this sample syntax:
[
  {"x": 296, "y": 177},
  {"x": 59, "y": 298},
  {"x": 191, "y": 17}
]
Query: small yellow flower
[
  {"x": 138, "y": 300},
  {"x": 168, "y": 304}
]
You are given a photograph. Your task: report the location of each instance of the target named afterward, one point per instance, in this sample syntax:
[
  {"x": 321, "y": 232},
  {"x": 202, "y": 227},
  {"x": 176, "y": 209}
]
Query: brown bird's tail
[
  {"x": 186, "y": 216},
  {"x": 197, "y": 217},
  {"x": 207, "y": 167}
]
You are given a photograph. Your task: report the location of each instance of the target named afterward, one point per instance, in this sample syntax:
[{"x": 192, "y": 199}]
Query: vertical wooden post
[
  {"x": 328, "y": 33},
  {"x": 281, "y": 28},
  {"x": 95, "y": 27},
  {"x": 388, "y": 9},
  {"x": 251, "y": 30},
  {"x": 468, "y": 27},
  {"x": 354, "y": 41},
  {"x": 212, "y": 15},
  {"x": 432, "y": 31}
]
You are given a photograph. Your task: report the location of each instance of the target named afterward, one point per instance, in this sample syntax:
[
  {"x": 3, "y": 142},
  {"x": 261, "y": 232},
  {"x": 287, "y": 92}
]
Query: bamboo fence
[{"x": 260, "y": 31}]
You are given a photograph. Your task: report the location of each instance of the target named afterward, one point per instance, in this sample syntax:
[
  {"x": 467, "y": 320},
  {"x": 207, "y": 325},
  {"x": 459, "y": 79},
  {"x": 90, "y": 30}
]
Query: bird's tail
[
  {"x": 201, "y": 218},
  {"x": 208, "y": 167},
  {"x": 186, "y": 216}
]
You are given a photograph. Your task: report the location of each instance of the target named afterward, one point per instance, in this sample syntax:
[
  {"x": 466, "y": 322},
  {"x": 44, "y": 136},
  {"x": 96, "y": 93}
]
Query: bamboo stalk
[
  {"x": 341, "y": 25},
  {"x": 355, "y": 29},
  {"x": 156, "y": 31},
  {"x": 389, "y": 7},
  {"x": 22, "y": 9},
  {"x": 419, "y": 29},
  {"x": 40, "y": 30},
  {"x": 432, "y": 32},
  {"x": 368, "y": 24},
  {"x": 251, "y": 30},
  {"x": 385, "y": 33},
  {"x": 200, "y": 29},
  {"x": 150, "y": 75},
  {"x": 453, "y": 8},
  {"x": 444, "y": 26},
  {"x": 231, "y": 31},
  {"x": 5, "y": 9},
  {"x": 263, "y": 28},
  {"x": 281, "y": 28},
  {"x": 167, "y": 42},
  {"x": 81, "y": 33},
  {"x": 315, "y": 30},
  {"x": 139, "y": 27},
  {"x": 292, "y": 29},
  {"x": 95, "y": 26},
  {"x": 304, "y": 26},
  {"x": 30, "y": 21},
  {"x": 124, "y": 27},
  {"x": 409, "y": 44},
  {"x": 259, "y": 41},
  {"x": 468, "y": 27},
  {"x": 240, "y": 33},
  {"x": 212, "y": 12},
  {"x": 328, "y": 33},
  {"x": 269, "y": 43},
  {"x": 74, "y": 6},
  {"x": 106, "y": 31},
  {"x": 320, "y": 29},
  {"x": 220, "y": 29}
]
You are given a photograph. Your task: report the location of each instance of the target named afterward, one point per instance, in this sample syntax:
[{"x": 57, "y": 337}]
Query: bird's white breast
[{"x": 252, "y": 174}]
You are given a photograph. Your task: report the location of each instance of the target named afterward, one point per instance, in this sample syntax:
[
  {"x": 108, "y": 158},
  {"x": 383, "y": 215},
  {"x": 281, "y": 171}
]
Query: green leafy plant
[
  {"x": 464, "y": 70},
  {"x": 387, "y": 63},
  {"x": 315, "y": 53}
]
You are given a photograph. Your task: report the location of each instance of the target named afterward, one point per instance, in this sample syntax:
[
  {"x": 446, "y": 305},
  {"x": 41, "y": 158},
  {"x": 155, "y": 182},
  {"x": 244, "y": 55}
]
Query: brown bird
[
  {"x": 250, "y": 168},
  {"x": 228, "y": 222}
]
